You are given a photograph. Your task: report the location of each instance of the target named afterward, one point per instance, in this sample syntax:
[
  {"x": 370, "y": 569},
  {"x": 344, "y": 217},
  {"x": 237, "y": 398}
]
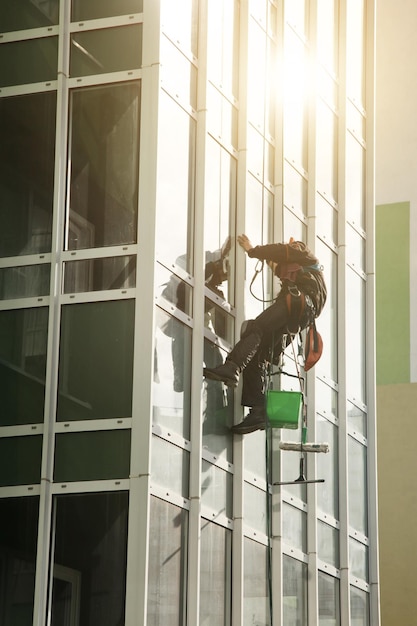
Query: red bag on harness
[{"x": 313, "y": 347}]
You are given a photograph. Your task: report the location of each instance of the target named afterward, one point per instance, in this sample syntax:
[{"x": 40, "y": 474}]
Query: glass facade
[{"x": 138, "y": 139}]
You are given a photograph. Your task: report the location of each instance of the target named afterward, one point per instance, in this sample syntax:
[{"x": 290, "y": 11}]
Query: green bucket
[{"x": 284, "y": 408}]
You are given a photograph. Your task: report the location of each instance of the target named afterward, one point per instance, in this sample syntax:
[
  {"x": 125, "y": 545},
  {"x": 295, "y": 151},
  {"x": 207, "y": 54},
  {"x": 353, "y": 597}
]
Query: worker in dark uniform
[{"x": 299, "y": 302}]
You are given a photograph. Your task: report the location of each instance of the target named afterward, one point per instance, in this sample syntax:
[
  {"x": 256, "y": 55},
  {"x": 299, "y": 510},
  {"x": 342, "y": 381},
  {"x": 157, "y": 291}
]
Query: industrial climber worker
[{"x": 299, "y": 301}]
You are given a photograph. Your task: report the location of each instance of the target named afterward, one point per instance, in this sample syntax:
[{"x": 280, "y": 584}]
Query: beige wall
[{"x": 397, "y": 463}]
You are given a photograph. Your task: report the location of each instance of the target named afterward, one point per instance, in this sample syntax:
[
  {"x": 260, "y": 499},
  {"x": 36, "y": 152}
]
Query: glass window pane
[
  {"x": 357, "y": 419},
  {"x": 27, "y": 14},
  {"x": 215, "y": 575},
  {"x": 355, "y": 249},
  {"x": 255, "y": 508},
  {"x": 257, "y": 68},
  {"x": 294, "y": 527},
  {"x": 176, "y": 166},
  {"x": 96, "y": 360},
  {"x": 295, "y": 189},
  {"x": 100, "y": 455},
  {"x": 355, "y": 327},
  {"x": 20, "y": 460},
  {"x": 355, "y": 45},
  {"x": 358, "y": 559},
  {"x": 171, "y": 288},
  {"x": 23, "y": 345},
  {"x": 327, "y": 149},
  {"x": 172, "y": 374},
  {"x": 18, "y": 542},
  {"x": 359, "y": 607},
  {"x": 328, "y": 544},
  {"x": 178, "y": 74},
  {"x": 355, "y": 174},
  {"x": 167, "y": 580},
  {"x": 327, "y": 322},
  {"x": 327, "y": 34},
  {"x": 89, "y": 564},
  {"x": 329, "y": 600},
  {"x": 180, "y": 23},
  {"x": 327, "y": 467},
  {"x": 222, "y": 117},
  {"x": 223, "y": 34},
  {"x": 358, "y": 493},
  {"x": 255, "y": 590},
  {"x": 103, "y": 51},
  {"x": 170, "y": 466},
  {"x": 296, "y": 14},
  {"x": 216, "y": 489},
  {"x": 294, "y": 591},
  {"x": 93, "y": 9},
  {"x": 24, "y": 282},
  {"x": 104, "y": 166},
  {"x": 27, "y": 159},
  {"x": 100, "y": 274},
  {"x": 30, "y": 61},
  {"x": 295, "y": 100}
]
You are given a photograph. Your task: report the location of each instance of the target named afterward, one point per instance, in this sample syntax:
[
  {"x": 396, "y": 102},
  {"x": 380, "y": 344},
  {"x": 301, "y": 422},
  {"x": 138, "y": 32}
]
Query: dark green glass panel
[
  {"x": 23, "y": 14},
  {"x": 98, "y": 455},
  {"x": 93, "y": 9},
  {"x": 26, "y": 281},
  {"x": 30, "y": 61},
  {"x": 20, "y": 460}
]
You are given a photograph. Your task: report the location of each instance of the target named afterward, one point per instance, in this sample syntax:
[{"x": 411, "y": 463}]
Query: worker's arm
[{"x": 246, "y": 244}]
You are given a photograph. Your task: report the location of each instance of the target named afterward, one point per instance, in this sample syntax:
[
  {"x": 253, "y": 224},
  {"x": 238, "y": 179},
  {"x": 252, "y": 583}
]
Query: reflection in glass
[
  {"x": 327, "y": 467},
  {"x": 176, "y": 167},
  {"x": 294, "y": 527},
  {"x": 215, "y": 575},
  {"x": 171, "y": 288},
  {"x": 255, "y": 591},
  {"x": 29, "y": 61},
  {"x": 23, "y": 345},
  {"x": 327, "y": 322},
  {"x": 357, "y": 419},
  {"x": 216, "y": 489},
  {"x": 89, "y": 559},
  {"x": 329, "y": 600},
  {"x": 104, "y": 166},
  {"x": 27, "y": 14},
  {"x": 170, "y": 466},
  {"x": 93, "y": 9},
  {"x": 20, "y": 460},
  {"x": 18, "y": 541},
  {"x": 100, "y": 455},
  {"x": 178, "y": 74},
  {"x": 358, "y": 559},
  {"x": 25, "y": 281},
  {"x": 255, "y": 513},
  {"x": 96, "y": 360},
  {"x": 27, "y": 157},
  {"x": 99, "y": 274},
  {"x": 358, "y": 492},
  {"x": 355, "y": 327},
  {"x": 328, "y": 544},
  {"x": 359, "y": 607},
  {"x": 167, "y": 579},
  {"x": 103, "y": 51},
  {"x": 294, "y": 591},
  {"x": 172, "y": 371}
]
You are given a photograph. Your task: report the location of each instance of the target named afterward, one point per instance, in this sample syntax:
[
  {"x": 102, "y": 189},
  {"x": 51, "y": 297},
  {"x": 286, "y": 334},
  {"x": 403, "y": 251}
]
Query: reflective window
[
  {"x": 96, "y": 360},
  {"x": 327, "y": 322},
  {"x": 216, "y": 489},
  {"x": 327, "y": 34},
  {"x": 355, "y": 187},
  {"x": 329, "y": 600},
  {"x": 27, "y": 14},
  {"x": 355, "y": 328},
  {"x": 222, "y": 117},
  {"x": 93, "y": 9},
  {"x": 254, "y": 458},
  {"x": 328, "y": 543},
  {"x": 178, "y": 74},
  {"x": 295, "y": 189},
  {"x": 215, "y": 575},
  {"x": 180, "y": 23},
  {"x": 355, "y": 249},
  {"x": 327, "y": 164},
  {"x": 89, "y": 559},
  {"x": 358, "y": 559},
  {"x": 255, "y": 508},
  {"x": 104, "y": 166},
  {"x": 97, "y": 455},
  {"x": 29, "y": 61},
  {"x": 327, "y": 220},
  {"x": 223, "y": 45},
  {"x": 327, "y": 467},
  {"x": 103, "y": 51},
  {"x": 255, "y": 590},
  {"x": 295, "y": 101},
  {"x": 359, "y": 607},
  {"x": 357, "y": 419},
  {"x": 171, "y": 288},
  {"x": 326, "y": 400},
  {"x": 294, "y": 527},
  {"x": 257, "y": 77},
  {"x": 358, "y": 492},
  {"x": 18, "y": 542},
  {"x": 172, "y": 373},
  {"x": 23, "y": 345},
  {"x": 24, "y": 281},
  {"x": 20, "y": 460},
  {"x": 296, "y": 14},
  {"x": 100, "y": 274},
  {"x": 167, "y": 580},
  {"x": 27, "y": 159},
  {"x": 294, "y": 577},
  {"x": 176, "y": 167},
  {"x": 219, "y": 220},
  {"x": 170, "y": 466},
  {"x": 355, "y": 46}
]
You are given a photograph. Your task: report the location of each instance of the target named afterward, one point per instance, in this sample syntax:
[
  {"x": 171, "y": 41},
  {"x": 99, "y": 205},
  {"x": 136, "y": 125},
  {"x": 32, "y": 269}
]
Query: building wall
[{"x": 140, "y": 139}]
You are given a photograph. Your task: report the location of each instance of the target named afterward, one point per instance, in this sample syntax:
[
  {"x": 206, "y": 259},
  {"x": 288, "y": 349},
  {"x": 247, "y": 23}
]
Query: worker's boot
[
  {"x": 242, "y": 353},
  {"x": 256, "y": 419}
]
